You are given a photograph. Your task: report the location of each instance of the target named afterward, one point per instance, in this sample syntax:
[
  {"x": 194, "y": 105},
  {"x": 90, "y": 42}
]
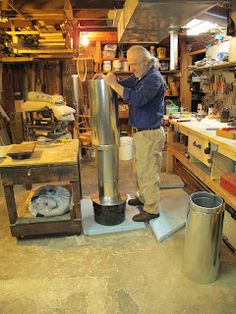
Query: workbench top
[
  {"x": 209, "y": 155},
  {"x": 207, "y": 129},
  {"x": 51, "y": 153}
]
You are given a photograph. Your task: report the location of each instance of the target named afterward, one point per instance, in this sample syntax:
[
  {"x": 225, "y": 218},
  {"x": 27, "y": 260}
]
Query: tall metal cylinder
[
  {"x": 103, "y": 117},
  {"x": 109, "y": 204},
  {"x": 107, "y": 161},
  {"x": 75, "y": 94},
  {"x": 203, "y": 237}
]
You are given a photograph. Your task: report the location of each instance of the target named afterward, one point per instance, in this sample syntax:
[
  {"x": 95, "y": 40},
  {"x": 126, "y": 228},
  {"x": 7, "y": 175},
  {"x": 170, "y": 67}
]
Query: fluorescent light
[
  {"x": 192, "y": 23},
  {"x": 84, "y": 39},
  {"x": 3, "y": 19},
  {"x": 203, "y": 27},
  {"x": 196, "y": 26}
]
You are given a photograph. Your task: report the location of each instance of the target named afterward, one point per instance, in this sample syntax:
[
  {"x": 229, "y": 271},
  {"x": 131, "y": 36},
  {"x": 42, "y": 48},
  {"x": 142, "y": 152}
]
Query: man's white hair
[{"x": 144, "y": 54}]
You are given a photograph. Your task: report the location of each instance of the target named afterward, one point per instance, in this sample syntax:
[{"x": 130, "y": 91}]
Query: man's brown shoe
[
  {"x": 135, "y": 202},
  {"x": 144, "y": 216}
]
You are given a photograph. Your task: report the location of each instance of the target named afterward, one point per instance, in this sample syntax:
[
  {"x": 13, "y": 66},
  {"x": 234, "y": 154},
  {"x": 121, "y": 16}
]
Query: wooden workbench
[
  {"x": 207, "y": 156},
  {"x": 54, "y": 162}
]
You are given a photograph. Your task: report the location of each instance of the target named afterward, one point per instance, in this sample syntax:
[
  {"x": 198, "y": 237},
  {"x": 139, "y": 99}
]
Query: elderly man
[{"x": 144, "y": 91}]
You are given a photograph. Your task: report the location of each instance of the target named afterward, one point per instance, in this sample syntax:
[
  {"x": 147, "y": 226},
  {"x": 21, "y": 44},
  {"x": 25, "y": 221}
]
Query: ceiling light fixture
[
  {"x": 3, "y": 19},
  {"x": 84, "y": 39},
  {"x": 192, "y": 23},
  {"x": 196, "y": 27}
]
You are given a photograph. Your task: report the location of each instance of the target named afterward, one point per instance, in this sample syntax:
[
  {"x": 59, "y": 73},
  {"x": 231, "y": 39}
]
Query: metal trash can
[{"x": 203, "y": 237}]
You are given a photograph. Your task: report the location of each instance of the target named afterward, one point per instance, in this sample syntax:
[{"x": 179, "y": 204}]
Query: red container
[{"x": 228, "y": 182}]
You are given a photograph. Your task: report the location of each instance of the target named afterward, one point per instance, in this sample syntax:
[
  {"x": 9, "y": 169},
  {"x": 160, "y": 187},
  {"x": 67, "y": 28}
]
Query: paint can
[{"x": 161, "y": 53}]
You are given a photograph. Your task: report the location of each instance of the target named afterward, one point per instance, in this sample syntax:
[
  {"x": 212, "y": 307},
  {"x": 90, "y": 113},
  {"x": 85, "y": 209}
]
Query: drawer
[
  {"x": 23, "y": 175},
  {"x": 198, "y": 147}
]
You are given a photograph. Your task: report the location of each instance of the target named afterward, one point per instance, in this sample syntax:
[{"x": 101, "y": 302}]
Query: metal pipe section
[
  {"x": 103, "y": 117},
  {"x": 203, "y": 235},
  {"x": 75, "y": 95},
  {"x": 105, "y": 138}
]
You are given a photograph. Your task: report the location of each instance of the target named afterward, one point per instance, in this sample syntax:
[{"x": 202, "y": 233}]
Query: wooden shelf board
[
  {"x": 180, "y": 147},
  {"x": 112, "y": 59},
  {"x": 203, "y": 174},
  {"x": 172, "y": 96},
  {"x": 170, "y": 71},
  {"x": 213, "y": 67},
  {"x": 118, "y": 72},
  {"x": 196, "y": 52},
  {"x": 25, "y": 220}
]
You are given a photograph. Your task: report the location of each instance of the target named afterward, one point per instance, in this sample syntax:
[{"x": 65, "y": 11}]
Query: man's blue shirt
[{"x": 145, "y": 97}]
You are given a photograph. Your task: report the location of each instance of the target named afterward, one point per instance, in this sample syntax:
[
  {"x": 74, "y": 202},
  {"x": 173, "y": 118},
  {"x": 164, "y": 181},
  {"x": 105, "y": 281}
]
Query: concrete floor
[{"x": 127, "y": 272}]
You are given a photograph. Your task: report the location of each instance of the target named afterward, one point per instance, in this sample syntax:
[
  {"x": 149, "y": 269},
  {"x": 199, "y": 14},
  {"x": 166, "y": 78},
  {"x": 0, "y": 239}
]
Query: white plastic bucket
[{"x": 126, "y": 148}]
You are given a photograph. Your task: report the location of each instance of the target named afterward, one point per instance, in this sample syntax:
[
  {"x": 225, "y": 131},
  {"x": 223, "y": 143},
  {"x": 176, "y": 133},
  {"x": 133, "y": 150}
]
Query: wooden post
[
  {"x": 11, "y": 203},
  {"x": 186, "y": 95},
  {"x": 169, "y": 157},
  {"x": 97, "y": 57},
  {"x": 75, "y": 213},
  {"x": 173, "y": 50},
  {"x": 1, "y": 83}
]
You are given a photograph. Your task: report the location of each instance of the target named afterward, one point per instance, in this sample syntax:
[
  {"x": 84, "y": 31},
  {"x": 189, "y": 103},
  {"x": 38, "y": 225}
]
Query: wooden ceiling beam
[
  {"x": 21, "y": 23},
  {"x": 103, "y": 36},
  {"x": 39, "y": 51},
  {"x": 17, "y": 10},
  {"x": 26, "y": 32},
  {"x": 13, "y": 34},
  {"x": 68, "y": 9},
  {"x": 51, "y": 34},
  {"x": 49, "y": 40},
  {"x": 55, "y": 18},
  {"x": 105, "y": 4},
  {"x": 40, "y": 16},
  {"x": 51, "y": 44},
  {"x": 15, "y": 59},
  {"x": 91, "y": 18},
  {"x": 112, "y": 35},
  {"x": 53, "y": 56}
]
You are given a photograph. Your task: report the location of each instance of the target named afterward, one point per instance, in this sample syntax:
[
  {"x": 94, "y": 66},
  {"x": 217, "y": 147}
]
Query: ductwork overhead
[{"x": 146, "y": 21}]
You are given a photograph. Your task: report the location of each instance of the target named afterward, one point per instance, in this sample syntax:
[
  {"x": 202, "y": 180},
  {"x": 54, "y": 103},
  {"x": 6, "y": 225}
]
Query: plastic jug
[{"x": 171, "y": 107}]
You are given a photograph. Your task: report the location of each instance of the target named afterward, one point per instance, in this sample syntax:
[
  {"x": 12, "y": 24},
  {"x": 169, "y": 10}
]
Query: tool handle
[{"x": 229, "y": 129}]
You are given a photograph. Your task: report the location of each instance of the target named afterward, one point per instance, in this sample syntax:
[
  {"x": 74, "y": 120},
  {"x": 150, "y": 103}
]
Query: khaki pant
[{"x": 148, "y": 146}]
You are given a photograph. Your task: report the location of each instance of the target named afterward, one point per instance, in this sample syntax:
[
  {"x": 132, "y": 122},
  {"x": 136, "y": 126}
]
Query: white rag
[{"x": 61, "y": 112}]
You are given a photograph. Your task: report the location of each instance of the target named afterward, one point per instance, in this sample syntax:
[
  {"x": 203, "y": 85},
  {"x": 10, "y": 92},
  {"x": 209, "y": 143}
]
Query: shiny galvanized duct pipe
[
  {"x": 109, "y": 204},
  {"x": 75, "y": 95}
]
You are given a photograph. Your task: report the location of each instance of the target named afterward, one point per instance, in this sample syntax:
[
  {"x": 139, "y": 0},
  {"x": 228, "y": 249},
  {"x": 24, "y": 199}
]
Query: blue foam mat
[
  {"x": 90, "y": 227},
  {"x": 170, "y": 180},
  {"x": 173, "y": 208}
]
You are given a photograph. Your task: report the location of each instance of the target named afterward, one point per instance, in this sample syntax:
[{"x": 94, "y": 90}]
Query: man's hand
[
  {"x": 98, "y": 76},
  {"x": 110, "y": 79}
]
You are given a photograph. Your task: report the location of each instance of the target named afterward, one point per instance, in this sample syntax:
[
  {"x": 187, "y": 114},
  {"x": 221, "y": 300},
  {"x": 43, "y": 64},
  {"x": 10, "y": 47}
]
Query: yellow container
[{"x": 161, "y": 53}]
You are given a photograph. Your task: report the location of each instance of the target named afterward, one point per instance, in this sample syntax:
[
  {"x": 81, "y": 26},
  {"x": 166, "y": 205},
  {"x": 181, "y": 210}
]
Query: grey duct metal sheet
[
  {"x": 75, "y": 94},
  {"x": 151, "y": 21},
  {"x": 105, "y": 137},
  {"x": 103, "y": 117}
]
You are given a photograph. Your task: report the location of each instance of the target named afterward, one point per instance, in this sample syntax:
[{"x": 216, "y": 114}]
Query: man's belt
[{"x": 146, "y": 129}]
